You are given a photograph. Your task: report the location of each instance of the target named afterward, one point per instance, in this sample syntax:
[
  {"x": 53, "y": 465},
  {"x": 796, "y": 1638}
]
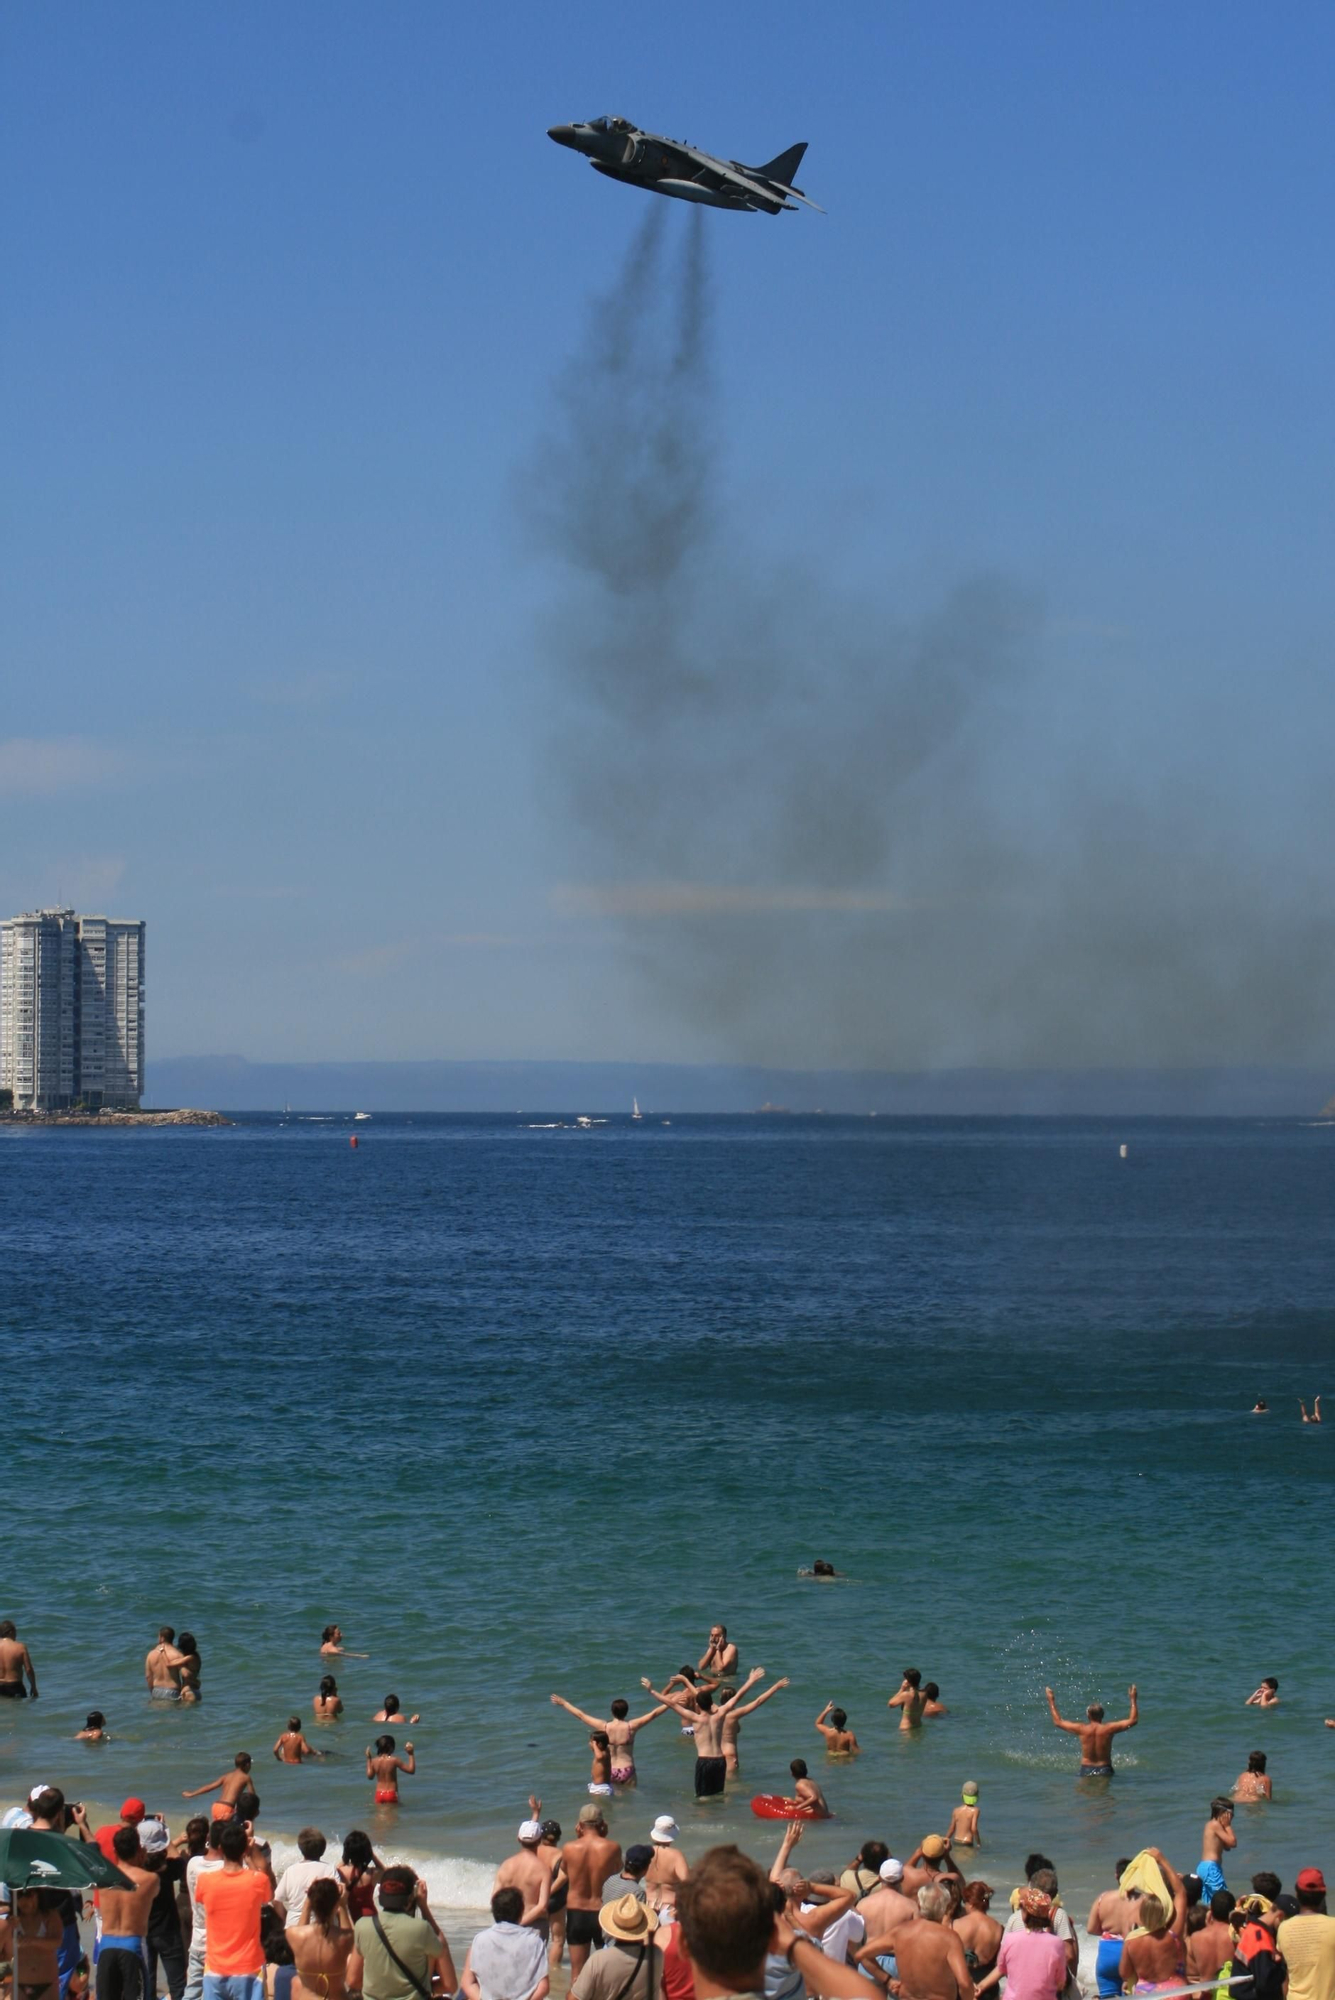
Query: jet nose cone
[{"x": 564, "y": 135}]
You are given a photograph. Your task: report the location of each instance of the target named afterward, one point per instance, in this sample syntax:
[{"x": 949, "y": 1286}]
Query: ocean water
[{"x": 524, "y": 1410}]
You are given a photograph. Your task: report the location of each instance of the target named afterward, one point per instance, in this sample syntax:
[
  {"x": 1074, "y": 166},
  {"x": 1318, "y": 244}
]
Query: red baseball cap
[
  {"x": 135, "y": 1809},
  {"x": 1311, "y": 1882}
]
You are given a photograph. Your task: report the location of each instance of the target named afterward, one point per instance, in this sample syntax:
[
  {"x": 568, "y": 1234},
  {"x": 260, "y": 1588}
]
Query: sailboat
[{"x": 635, "y": 1111}]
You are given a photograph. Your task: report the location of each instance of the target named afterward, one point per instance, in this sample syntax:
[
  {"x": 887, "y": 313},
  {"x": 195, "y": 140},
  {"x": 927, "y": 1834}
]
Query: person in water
[
  {"x": 292, "y": 1747},
  {"x": 237, "y": 1798},
  {"x": 1254, "y": 1782},
  {"x": 909, "y": 1698},
  {"x": 963, "y": 1828},
  {"x": 1315, "y": 1417},
  {"x": 1095, "y": 1734},
  {"x": 620, "y": 1728},
  {"x": 1260, "y": 1408},
  {"x": 391, "y": 1712},
  {"x": 832, "y": 1724},
  {"x": 95, "y": 1729},
  {"x": 384, "y": 1766},
  {"x": 1266, "y": 1696},
  {"x": 329, "y": 1702},
  {"x": 807, "y": 1794},
  {"x": 331, "y": 1645}
]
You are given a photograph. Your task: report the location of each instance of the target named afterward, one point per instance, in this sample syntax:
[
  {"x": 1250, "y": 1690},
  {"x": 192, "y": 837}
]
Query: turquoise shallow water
[{"x": 525, "y": 1410}]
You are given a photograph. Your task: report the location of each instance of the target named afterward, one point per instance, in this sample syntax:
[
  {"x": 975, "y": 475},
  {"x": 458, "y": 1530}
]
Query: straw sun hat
[{"x": 628, "y": 1919}]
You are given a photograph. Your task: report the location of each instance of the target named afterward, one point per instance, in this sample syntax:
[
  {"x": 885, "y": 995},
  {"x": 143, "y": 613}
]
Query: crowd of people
[{"x": 203, "y": 1914}]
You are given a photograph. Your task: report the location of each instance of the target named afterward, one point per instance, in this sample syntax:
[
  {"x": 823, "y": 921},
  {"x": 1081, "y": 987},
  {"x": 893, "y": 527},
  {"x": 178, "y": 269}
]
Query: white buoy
[{"x": 1121, "y": 1152}]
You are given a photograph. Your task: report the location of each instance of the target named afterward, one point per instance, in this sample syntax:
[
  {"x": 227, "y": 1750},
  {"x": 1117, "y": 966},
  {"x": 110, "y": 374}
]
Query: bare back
[
  {"x": 931, "y": 1963},
  {"x": 125, "y": 1911},
  {"x": 589, "y": 1859},
  {"x": 321, "y": 1958}
]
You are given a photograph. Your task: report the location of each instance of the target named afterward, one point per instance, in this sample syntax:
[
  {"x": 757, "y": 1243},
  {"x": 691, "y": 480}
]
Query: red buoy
[{"x": 353, "y": 1142}]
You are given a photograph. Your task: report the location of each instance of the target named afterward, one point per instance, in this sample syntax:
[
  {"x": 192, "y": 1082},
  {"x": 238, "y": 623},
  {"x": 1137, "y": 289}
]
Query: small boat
[
  {"x": 635, "y": 1111},
  {"x": 361, "y": 1114}
]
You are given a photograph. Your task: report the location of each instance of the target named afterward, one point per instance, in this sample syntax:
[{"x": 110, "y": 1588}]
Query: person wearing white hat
[
  {"x": 668, "y": 1869},
  {"x": 629, "y": 1966},
  {"x": 528, "y": 1871}
]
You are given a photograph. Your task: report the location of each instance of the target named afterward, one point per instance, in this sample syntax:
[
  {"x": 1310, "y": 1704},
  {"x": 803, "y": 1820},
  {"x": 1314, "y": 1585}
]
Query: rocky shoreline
[{"x": 120, "y": 1118}]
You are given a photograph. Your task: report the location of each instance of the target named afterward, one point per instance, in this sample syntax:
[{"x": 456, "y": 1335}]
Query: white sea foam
[{"x": 454, "y": 1882}]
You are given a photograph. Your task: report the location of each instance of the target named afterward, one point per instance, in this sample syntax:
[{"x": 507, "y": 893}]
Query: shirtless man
[
  {"x": 927, "y": 1951},
  {"x": 122, "y": 1959},
  {"x": 292, "y": 1746},
  {"x": 531, "y": 1870},
  {"x": 1212, "y": 1944},
  {"x": 1095, "y": 1734},
  {"x": 1266, "y": 1696},
  {"x": 887, "y": 1907},
  {"x": 320, "y": 1945},
  {"x": 384, "y": 1766},
  {"x": 1217, "y": 1837},
  {"x": 720, "y": 1656},
  {"x": 620, "y": 1730},
  {"x": 162, "y": 1666},
  {"x": 807, "y": 1793},
  {"x": 732, "y": 1722},
  {"x": 667, "y": 1871},
  {"x": 711, "y": 1769},
  {"x": 932, "y": 1703},
  {"x": 909, "y": 1699},
  {"x": 1112, "y": 1918},
  {"x": 839, "y": 1738},
  {"x": 928, "y": 1863},
  {"x": 235, "y": 1791},
  {"x": 332, "y": 1647},
  {"x": 589, "y": 1859},
  {"x": 15, "y": 1662}
]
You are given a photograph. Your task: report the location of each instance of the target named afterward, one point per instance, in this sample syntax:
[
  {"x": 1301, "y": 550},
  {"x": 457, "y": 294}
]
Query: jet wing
[{"x": 728, "y": 176}]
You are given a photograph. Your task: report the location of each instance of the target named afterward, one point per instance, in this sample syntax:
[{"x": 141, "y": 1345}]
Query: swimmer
[
  {"x": 329, "y": 1702},
  {"x": 1266, "y": 1696},
  {"x": 963, "y": 1828},
  {"x": 391, "y": 1712},
  {"x": 1095, "y": 1734},
  {"x": 292, "y": 1746},
  {"x": 931, "y": 1700},
  {"x": 711, "y": 1769},
  {"x": 1254, "y": 1783},
  {"x": 331, "y": 1645},
  {"x": 1315, "y": 1417},
  {"x": 807, "y": 1793},
  {"x": 384, "y": 1766},
  {"x": 95, "y": 1729},
  {"x": 600, "y": 1776},
  {"x": 620, "y": 1729},
  {"x": 732, "y": 1722},
  {"x": 822, "y": 1572},
  {"x": 237, "y": 1796},
  {"x": 909, "y": 1699},
  {"x": 720, "y": 1655},
  {"x": 839, "y": 1738},
  {"x": 1260, "y": 1408}
]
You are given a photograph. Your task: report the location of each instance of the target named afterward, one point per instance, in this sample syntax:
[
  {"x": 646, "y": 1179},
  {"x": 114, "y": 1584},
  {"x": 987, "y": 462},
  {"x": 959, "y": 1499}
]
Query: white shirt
[
  {"x": 197, "y": 1865},
  {"x": 295, "y": 1881},
  {"x": 838, "y": 1936}
]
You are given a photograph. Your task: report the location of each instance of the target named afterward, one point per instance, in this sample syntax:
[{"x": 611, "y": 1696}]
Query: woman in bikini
[
  {"x": 1157, "y": 1955},
  {"x": 560, "y": 1890},
  {"x": 321, "y": 1943},
  {"x": 384, "y": 1766}
]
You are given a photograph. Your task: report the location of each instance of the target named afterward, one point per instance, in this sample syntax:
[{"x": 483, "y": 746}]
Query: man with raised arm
[
  {"x": 711, "y": 1769},
  {"x": 1095, "y": 1734},
  {"x": 621, "y": 1730}
]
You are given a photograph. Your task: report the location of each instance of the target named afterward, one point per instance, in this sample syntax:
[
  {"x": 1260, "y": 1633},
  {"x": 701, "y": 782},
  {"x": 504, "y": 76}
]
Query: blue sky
[{"x": 286, "y": 291}]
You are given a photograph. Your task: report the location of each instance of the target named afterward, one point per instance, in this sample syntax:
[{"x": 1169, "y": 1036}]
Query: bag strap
[
  {"x": 645, "y": 1952},
  {"x": 424, "y": 1992}
]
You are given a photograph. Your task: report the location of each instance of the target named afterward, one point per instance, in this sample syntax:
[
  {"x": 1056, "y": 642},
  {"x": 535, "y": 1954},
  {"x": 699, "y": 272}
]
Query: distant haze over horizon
[{"x": 230, "y": 1083}]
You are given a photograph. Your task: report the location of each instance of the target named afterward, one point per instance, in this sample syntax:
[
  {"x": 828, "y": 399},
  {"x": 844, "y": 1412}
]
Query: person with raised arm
[
  {"x": 1095, "y": 1734},
  {"x": 732, "y": 1722},
  {"x": 711, "y": 1769},
  {"x": 839, "y": 1738},
  {"x": 620, "y": 1729}
]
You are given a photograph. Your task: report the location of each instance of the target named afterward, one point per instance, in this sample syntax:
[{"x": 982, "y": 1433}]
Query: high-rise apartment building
[{"x": 71, "y": 1011}]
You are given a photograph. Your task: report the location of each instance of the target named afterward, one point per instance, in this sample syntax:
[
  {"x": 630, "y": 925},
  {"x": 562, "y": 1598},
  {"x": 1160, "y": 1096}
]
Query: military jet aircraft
[{"x": 615, "y": 147}]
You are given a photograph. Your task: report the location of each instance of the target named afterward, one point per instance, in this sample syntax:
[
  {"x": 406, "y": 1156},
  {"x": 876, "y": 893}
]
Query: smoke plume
[{"x": 831, "y": 833}]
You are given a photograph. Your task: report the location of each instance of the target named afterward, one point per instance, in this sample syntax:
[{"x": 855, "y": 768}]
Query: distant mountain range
[{"x": 230, "y": 1083}]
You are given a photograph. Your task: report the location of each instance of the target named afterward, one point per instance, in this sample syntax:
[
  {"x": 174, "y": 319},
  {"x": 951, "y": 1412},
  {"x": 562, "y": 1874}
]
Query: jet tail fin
[{"x": 785, "y": 166}]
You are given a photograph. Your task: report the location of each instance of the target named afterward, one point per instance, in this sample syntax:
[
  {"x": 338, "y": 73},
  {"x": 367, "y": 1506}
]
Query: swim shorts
[
  {"x": 601, "y": 1791},
  {"x": 1212, "y": 1879},
  {"x": 888, "y": 1963},
  {"x": 1108, "y": 1966},
  {"x": 164, "y": 1694},
  {"x": 1096, "y": 1770},
  {"x": 710, "y": 1776},
  {"x": 386, "y": 1795},
  {"x": 13, "y": 1691},
  {"x": 583, "y": 1927}
]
